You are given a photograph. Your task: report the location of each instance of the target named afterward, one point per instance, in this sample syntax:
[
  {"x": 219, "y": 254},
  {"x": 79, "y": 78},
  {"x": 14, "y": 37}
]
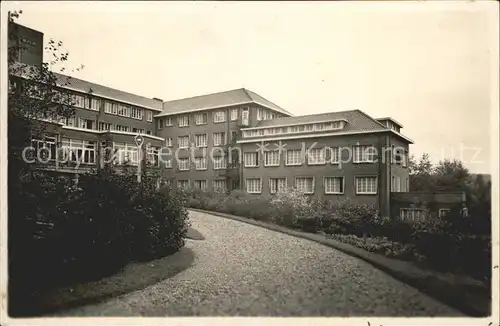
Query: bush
[{"x": 60, "y": 234}]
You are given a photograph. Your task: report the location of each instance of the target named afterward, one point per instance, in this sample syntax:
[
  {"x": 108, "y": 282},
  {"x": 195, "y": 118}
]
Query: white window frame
[
  {"x": 258, "y": 190},
  {"x": 179, "y": 184},
  {"x": 124, "y": 110},
  {"x": 306, "y": 177},
  {"x": 202, "y": 144},
  {"x": 412, "y": 214},
  {"x": 168, "y": 163},
  {"x": 71, "y": 146},
  {"x": 322, "y": 156},
  {"x": 366, "y": 177},
  {"x": 182, "y": 161},
  {"x": 84, "y": 121},
  {"x": 181, "y": 145},
  {"x": 136, "y": 113},
  {"x": 219, "y": 189},
  {"x": 342, "y": 185},
  {"x": 169, "y": 142},
  {"x": 219, "y": 116},
  {"x": 246, "y": 159},
  {"x": 149, "y": 116},
  {"x": 301, "y": 157},
  {"x": 220, "y": 162},
  {"x": 222, "y": 138},
  {"x": 234, "y": 114},
  {"x": 201, "y": 118},
  {"x": 278, "y": 187},
  {"x": 200, "y": 187},
  {"x": 335, "y": 155},
  {"x": 395, "y": 184},
  {"x": 168, "y": 122},
  {"x": 105, "y": 124},
  {"x": 362, "y": 155},
  {"x": 200, "y": 163},
  {"x": 122, "y": 128},
  {"x": 271, "y": 154},
  {"x": 183, "y": 120}
]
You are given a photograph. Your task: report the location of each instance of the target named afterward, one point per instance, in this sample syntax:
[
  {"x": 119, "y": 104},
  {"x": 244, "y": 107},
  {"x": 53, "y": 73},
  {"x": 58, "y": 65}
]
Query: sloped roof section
[
  {"x": 108, "y": 92},
  {"x": 356, "y": 120},
  {"x": 80, "y": 85},
  {"x": 217, "y": 100}
]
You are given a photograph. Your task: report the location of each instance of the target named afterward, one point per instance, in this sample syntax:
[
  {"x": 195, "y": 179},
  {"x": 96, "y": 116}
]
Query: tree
[
  {"x": 451, "y": 175},
  {"x": 421, "y": 174}
]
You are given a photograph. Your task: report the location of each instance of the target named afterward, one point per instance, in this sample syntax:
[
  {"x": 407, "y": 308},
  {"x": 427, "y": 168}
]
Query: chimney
[{"x": 158, "y": 99}]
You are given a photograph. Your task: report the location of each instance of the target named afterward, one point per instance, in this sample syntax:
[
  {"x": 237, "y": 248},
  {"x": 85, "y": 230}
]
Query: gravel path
[{"x": 246, "y": 270}]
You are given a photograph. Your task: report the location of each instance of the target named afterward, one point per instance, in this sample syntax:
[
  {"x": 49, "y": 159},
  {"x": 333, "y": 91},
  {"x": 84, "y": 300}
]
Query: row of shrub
[
  {"x": 441, "y": 244},
  {"x": 60, "y": 233}
]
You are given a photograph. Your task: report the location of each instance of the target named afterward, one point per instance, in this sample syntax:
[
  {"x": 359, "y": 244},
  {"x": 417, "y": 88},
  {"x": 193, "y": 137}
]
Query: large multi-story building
[{"x": 230, "y": 140}]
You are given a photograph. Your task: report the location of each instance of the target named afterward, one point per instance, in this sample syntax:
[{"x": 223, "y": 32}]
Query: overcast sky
[{"x": 428, "y": 67}]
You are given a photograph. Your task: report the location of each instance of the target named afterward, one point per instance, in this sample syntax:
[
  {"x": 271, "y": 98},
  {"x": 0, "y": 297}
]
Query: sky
[{"x": 429, "y": 66}]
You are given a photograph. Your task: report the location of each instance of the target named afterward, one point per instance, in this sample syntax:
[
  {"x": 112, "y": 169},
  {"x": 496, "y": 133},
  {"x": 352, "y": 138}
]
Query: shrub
[{"x": 61, "y": 234}]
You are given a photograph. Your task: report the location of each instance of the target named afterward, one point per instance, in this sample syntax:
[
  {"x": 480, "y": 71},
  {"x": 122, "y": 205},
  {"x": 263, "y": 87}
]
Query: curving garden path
[{"x": 241, "y": 269}]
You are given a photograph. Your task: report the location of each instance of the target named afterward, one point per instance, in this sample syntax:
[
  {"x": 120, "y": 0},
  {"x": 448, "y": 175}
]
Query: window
[
  {"x": 272, "y": 158},
  {"x": 183, "y": 120},
  {"x": 149, "y": 116},
  {"x": 168, "y": 163},
  {"x": 234, "y": 114},
  {"x": 234, "y": 135},
  {"x": 245, "y": 114},
  {"x": 122, "y": 128},
  {"x": 335, "y": 152},
  {"x": 316, "y": 156},
  {"x": 395, "y": 184},
  {"x": 201, "y": 140},
  {"x": 405, "y": 159},
  {"x": 219, "y": 116},
  {"x": 148, "y": 132},
  {"x": 251, "y": 159},
  {"x": 152, "y": 156},
  {"x": 160, "y": 123},
  {"x": 364, "y": 154},
  {"x": 305, "y": 184},
  {"x": 184, "y": 164},
  {"x": 79, "y": 150},
  {"x": 138, "y": 130},
  {"x": 407, "y": 184},
  {"x": 277, "y": 185},
  {"x": 200, "y": 119},
  {"x": 443, "y": 212},
  {"x": 219, "y": 138},
  {"x": 183, "y": 141},
  {"x": 200, "y": 163},
  {"x": 219, "y": 185},
  {"x": 136, "y": 113},
  {"x": 169, "y": 122},
  {"x": 412, "y": 214},
  {"x": 254, "y": 185},
  {"x": 168, "y": 142},
  {"x": 220, "y": 163},
  {"x": 123, "y": 110},
  {"x": 46, "y": 148},
  {"x": 86, "y": 123},
  {"x": 67, "y": 121},
  {"x": 126, "y": 153},
  {"x": 294, "y": 157},
  {"x": 334, "y": 185},
  {"x": 78, "y": 100},
  {"x": 183, "y": 184},
  {"x": 366, "y": 185},
  {"x": 105, "y": 126},
  {"x": 95, "y": 104},
  {"x": 201, "y": 185},
  {"x": 111, "y": 108}
]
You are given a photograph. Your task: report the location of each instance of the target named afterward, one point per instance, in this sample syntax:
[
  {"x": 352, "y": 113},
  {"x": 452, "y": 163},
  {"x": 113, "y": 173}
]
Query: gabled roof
[
  {"x": 218, "y": 100},
  {"x": 357, "y": 122},
  {"x": 83, "y": 86}
]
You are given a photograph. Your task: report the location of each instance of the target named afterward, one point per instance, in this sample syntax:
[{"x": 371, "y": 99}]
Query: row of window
[
  {"x": 331, "y": 185},
  {"x": 312, "y": 127},
  {"x": 202, "y": 118},
  {"x": 217, "y": 185},
  {"x": 200, "y": 163},
  {"x": 90, "y": 124},
  {"x": 419, "y": 214},
  {"x": 264, "y": 114},
  {"x": 200, "y": 140},
  {"x": 314, "y": 156}
]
